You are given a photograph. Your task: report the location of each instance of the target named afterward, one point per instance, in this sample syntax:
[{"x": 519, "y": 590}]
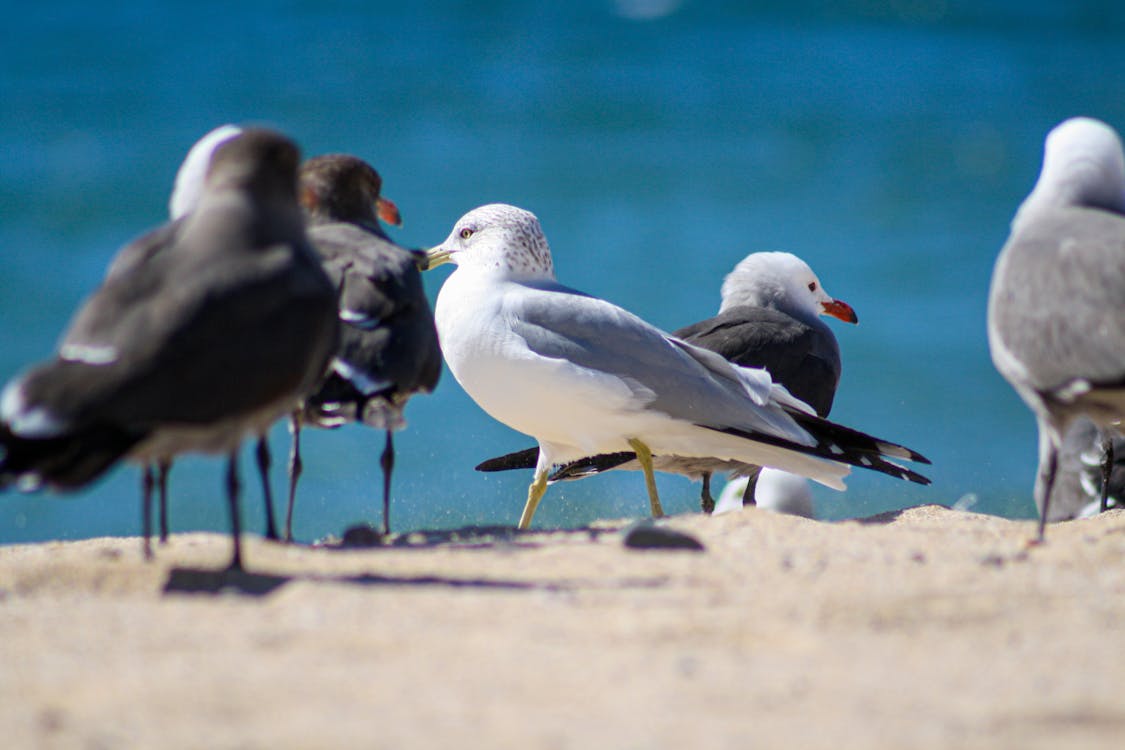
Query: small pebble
[
  {"x": 361, "y": 535},
  {"x": 647, "y": 535}
]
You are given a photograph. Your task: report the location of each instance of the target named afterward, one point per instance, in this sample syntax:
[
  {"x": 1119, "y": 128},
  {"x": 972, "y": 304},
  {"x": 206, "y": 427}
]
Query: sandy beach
[{"x": 923, "y": 628}]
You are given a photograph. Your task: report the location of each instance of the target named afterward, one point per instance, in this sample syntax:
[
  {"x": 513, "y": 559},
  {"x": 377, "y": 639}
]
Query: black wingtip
[
  {"x": 835, "y": 443},
  {"x": 525, "y": 459}
]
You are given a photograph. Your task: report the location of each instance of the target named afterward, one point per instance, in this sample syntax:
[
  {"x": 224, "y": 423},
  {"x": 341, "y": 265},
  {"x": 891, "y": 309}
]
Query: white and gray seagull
[
  {"x": 1056, "y": 307},
  {"x": 222, "y": 330},
  {"x": 584, "y": 376},
  {"x": 769, "y": 317}
]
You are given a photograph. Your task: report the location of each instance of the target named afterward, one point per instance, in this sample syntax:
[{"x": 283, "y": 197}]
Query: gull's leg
[
  {"x": 233, "y": 488},
  {"x": 1045, "y": 481},
  {"x": 751, "y": 484},
  {"x": 264, "y": 461},
  {"x": 537, "y": 489},
  {"x": 644, "y": 455},
  {"x": 387, "y": 461},
  {"x": 1107, "y": 468},
  {"x": 706, "y": 502},
  {"x": 534, "y": 495},
  {"x": 163, "y": 466},
  {"x": 146, "y": 509},
  {"x": 295, "y": 468}
]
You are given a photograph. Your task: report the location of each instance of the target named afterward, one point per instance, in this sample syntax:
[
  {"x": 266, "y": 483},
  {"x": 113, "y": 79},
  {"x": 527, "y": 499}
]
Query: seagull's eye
[
  {"x": 466, "y": 233},
  {"x": 812, "y": 286}
]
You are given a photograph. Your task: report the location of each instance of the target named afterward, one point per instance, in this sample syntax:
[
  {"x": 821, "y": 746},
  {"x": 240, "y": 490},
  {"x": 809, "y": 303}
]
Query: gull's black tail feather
[
  {"x": 843, "y": 445},
  {"x": 580, "y": 469},
  {"x": 525, "y": 459},
  {"x": 856, "y": 441},
  {"x": 591, "y": 465},
  {"x": 65, "y": 462},
  {"x": 835, "y": 442}
]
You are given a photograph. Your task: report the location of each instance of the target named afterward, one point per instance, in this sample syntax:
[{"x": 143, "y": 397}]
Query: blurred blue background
[{"x": 659, "y": 141}]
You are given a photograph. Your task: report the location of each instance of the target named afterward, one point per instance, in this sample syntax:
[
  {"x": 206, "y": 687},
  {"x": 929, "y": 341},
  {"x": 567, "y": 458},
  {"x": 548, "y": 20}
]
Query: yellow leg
[
  {"x": 534, "y": 495},
  {"x": 644, "y": 455}
]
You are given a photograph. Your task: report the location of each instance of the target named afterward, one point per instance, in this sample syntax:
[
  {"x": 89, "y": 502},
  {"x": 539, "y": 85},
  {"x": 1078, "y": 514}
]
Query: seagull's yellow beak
[{"x": 435, "y": 257}]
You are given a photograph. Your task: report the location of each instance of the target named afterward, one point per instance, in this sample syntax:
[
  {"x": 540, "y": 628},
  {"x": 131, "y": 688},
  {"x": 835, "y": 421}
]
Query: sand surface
[{"x": 925, "y": 628}]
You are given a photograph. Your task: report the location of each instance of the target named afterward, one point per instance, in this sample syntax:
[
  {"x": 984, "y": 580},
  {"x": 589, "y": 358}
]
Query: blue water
[{"x": 659, "y": 142}]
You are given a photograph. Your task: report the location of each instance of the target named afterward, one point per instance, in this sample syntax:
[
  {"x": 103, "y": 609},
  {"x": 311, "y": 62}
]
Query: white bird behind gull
[
  {"x": 774, "y": 490},
  {"x": 1056, "y": 307},
  {"x": 584, "y": 376}
]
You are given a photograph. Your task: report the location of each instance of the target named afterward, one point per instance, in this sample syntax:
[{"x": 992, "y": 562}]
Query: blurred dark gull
[
  {"x": 186, "y": 192},
  {"x": 225, "y": 327},
  {"x": 388, "y": 347}
]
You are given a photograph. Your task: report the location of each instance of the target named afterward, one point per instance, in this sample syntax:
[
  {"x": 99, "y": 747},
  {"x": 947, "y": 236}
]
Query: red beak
[
  {"x": 841, "y": 310},
  {"x": 388, "y": 211}
]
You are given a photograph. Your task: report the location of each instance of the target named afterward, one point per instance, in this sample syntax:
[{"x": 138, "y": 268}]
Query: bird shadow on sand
[
  {"x": 183, "y": 580},
  {"x": 247, "y": 583},
  {"x": 362, "y": 537},
  {"x": 890, "y": 516}
]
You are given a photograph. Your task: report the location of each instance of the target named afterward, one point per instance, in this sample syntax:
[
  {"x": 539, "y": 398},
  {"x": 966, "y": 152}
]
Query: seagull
[
  {"x": 583, "y": 376},
  {"x": 1056, "y": 307},
  {"x": 222, "y": 330},
  {"x": 388, "y": 348},
  {"x": 186, "y": 192},
  {"x": 774, "y": 490},
  {"x": 769, "y": 317}
]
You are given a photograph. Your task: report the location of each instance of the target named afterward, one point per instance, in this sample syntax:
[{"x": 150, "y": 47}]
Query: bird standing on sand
[
  {"x": 186, "y": 192},
  {"x": 388, "y": 348},
  {"x": 584, "y": 376},
  {"x": 769, "y": 317},
  {"x": 1056, "y": 308},
  {"x": 227, "y": 325}
]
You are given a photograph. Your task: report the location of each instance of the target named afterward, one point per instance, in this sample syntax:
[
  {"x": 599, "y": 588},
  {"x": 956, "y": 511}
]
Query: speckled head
[
  {"x": 1083, "y": 165},
  {"x": 498, "y": 237}
]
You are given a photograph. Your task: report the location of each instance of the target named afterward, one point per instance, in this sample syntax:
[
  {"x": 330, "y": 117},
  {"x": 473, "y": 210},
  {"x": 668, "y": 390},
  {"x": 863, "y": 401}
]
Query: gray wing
[
  {"x": 144, "y": 248},
  {"x": 667, "y": 375},
  {"x": 1057, "y": 304},
  {"x": 157, "y": 344},
  {"x": 802, "y": 357}
]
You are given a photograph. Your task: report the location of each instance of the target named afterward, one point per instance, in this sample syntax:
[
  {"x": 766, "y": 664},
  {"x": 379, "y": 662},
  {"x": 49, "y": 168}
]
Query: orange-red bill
[
  {"x": 388, "y": 211},
  {"x": 841, "y": 310}
]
